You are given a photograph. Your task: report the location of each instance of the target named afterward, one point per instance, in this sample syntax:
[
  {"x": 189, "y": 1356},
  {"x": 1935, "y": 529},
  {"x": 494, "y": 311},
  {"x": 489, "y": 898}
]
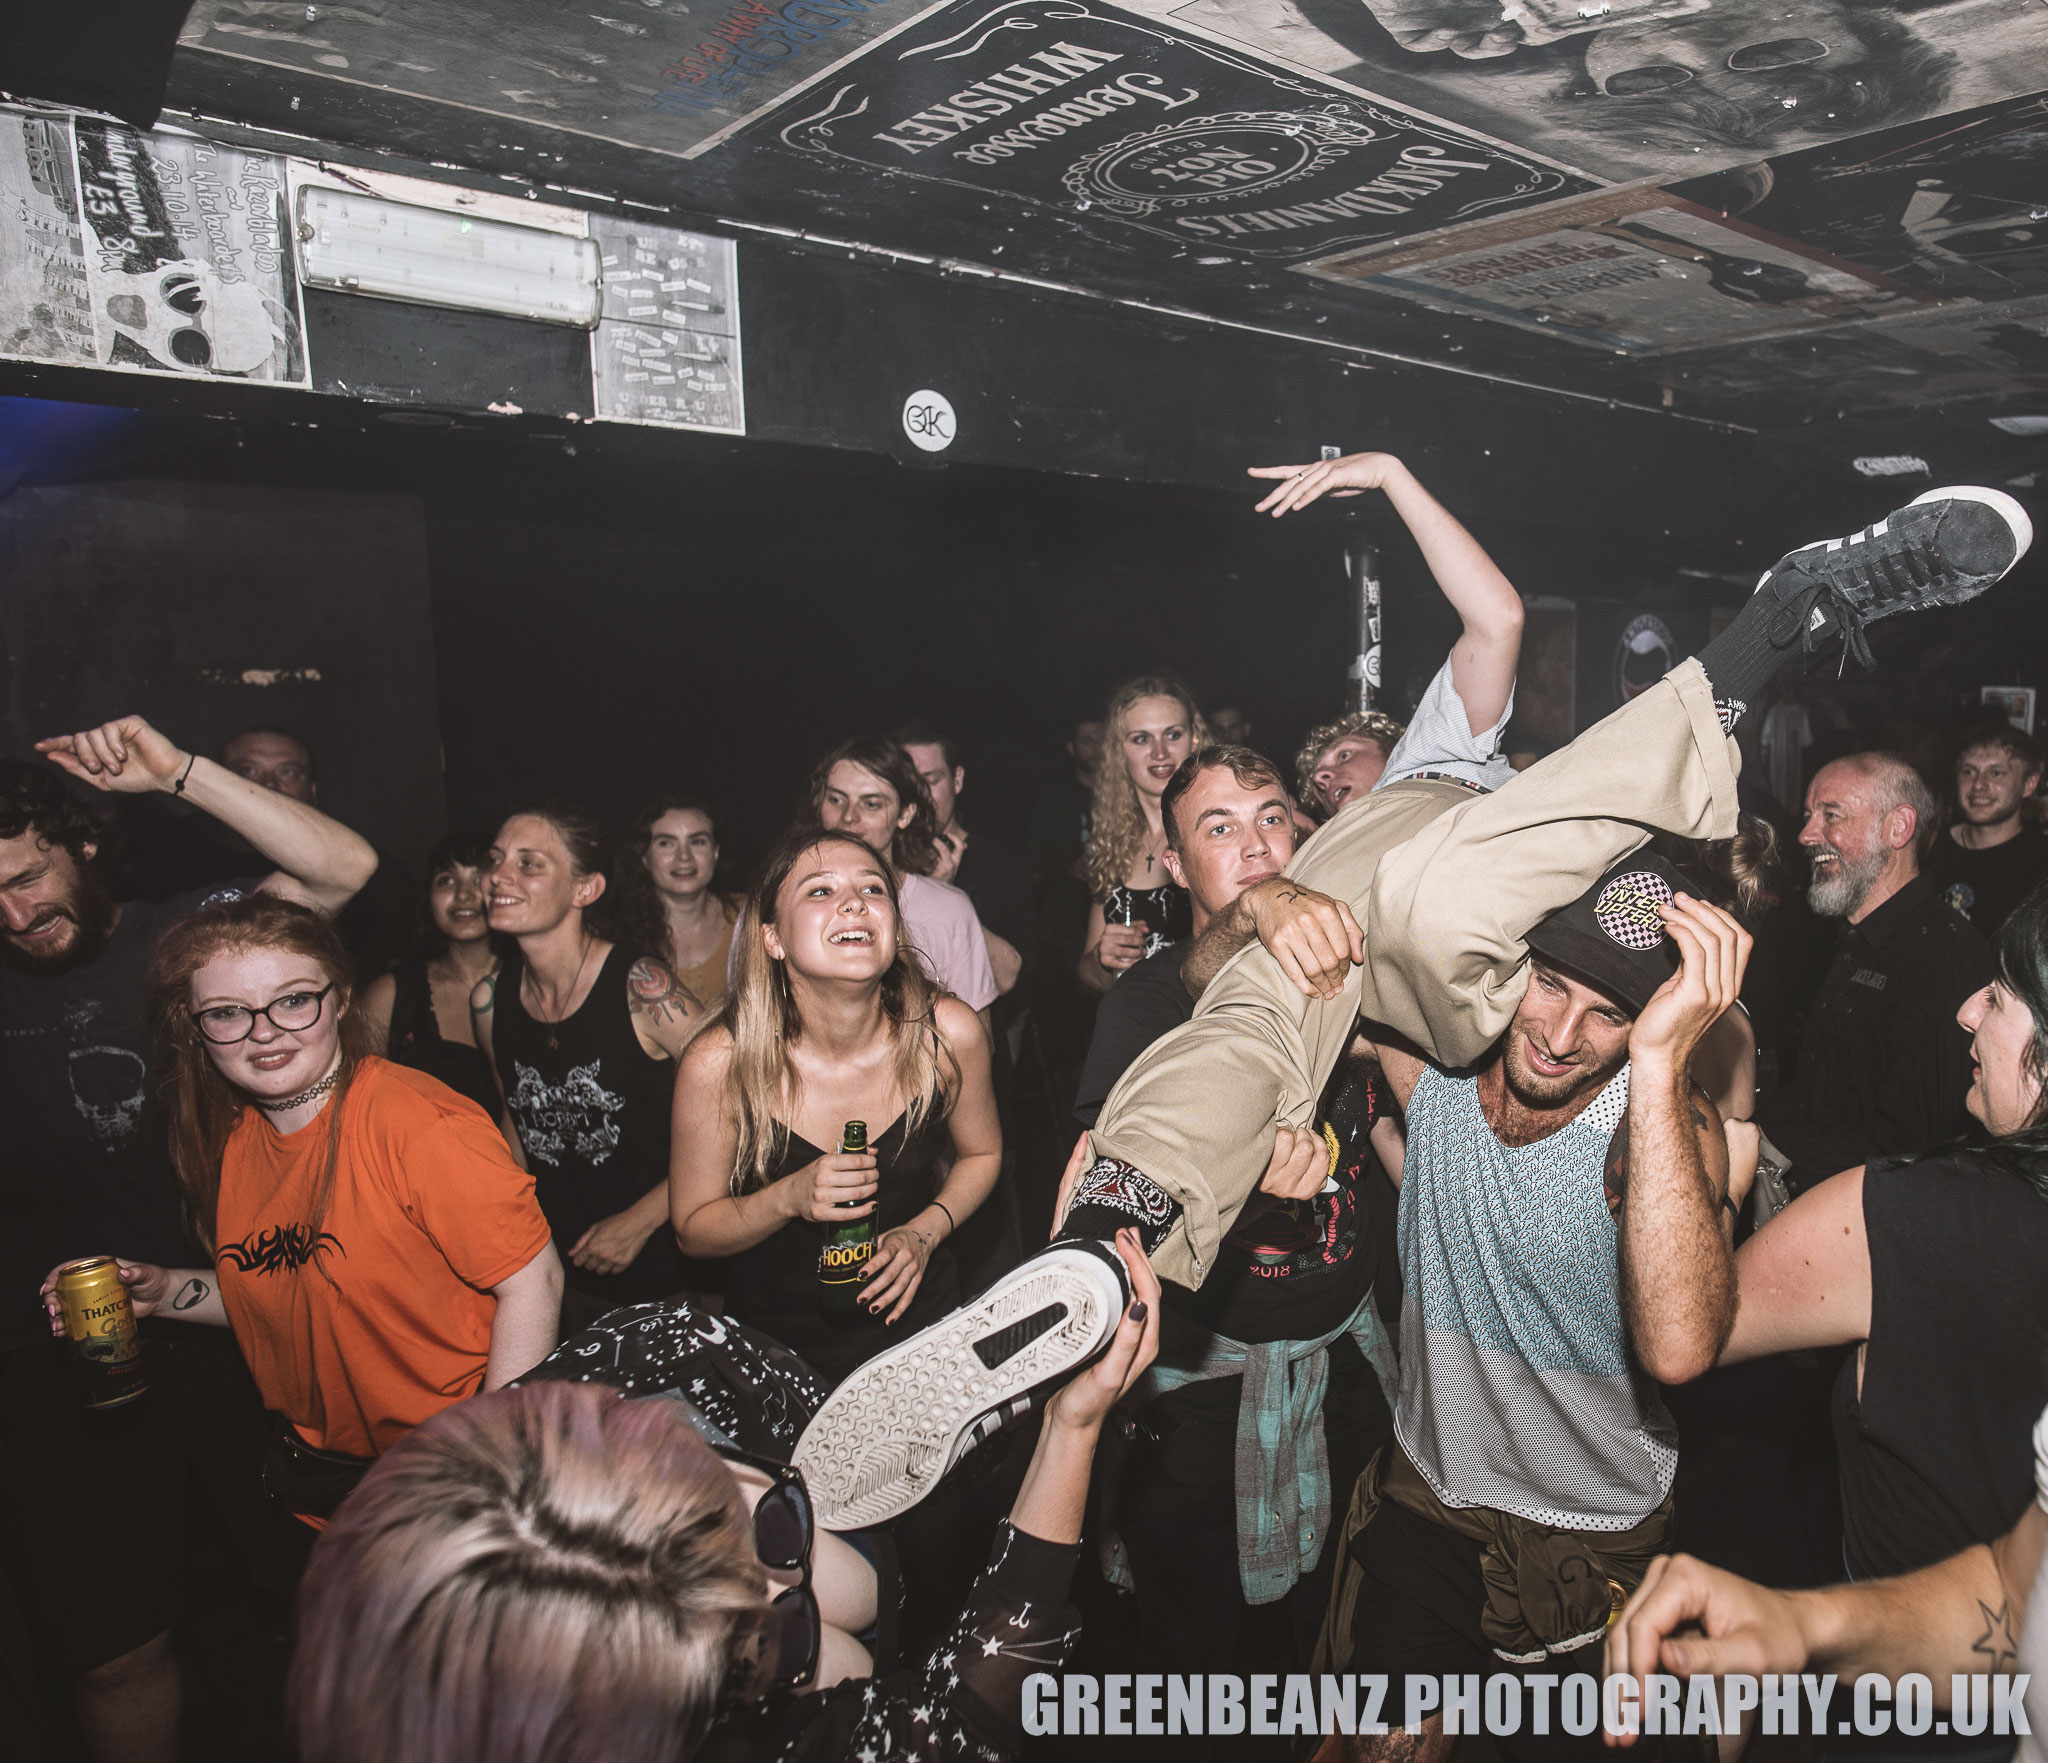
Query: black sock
[
  {"x": 1742, "y": 661},
  {"x": 1112, "y": 1197}
]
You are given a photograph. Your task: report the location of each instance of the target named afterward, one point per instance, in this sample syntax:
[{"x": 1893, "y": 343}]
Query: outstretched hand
[
  {"x": 1713, "y": 955},
  {"x": 1748, "y": 1628},
  {"x": 125, "y": 755},
  {"x": 1303, "y": 484}
]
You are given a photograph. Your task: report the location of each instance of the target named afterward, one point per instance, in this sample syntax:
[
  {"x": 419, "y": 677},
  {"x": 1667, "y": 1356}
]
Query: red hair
[{"x": 204, "y": 1105}]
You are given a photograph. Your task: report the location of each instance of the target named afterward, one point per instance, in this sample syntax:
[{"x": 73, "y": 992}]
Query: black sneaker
[
  {"x": 1941, "y": 549},
  {"x": 888, "y": 1434}
]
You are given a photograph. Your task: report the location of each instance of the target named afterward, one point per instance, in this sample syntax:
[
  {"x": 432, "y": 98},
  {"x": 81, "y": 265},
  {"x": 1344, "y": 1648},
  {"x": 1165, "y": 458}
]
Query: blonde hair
[
  {"x": 1117, "y": 829},
  {"x": 543, "y": 1575},
  {"x": 1373, "y": 725},
  {"x": 761, "y": 1016}
]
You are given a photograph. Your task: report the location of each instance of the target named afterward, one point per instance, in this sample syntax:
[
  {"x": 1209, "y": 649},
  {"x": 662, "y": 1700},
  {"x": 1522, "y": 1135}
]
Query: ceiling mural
[
  {"x": 1629, "y": 89},
  {"x": 1095, "y": 112},
  {"x": 1726, "y": 207}
]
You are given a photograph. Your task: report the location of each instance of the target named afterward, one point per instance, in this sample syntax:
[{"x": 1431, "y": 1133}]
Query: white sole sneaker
[{"x": 888, "y": 1434}]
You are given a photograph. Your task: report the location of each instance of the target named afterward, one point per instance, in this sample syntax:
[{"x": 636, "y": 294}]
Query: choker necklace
[{"x": 304, "y": 1096}]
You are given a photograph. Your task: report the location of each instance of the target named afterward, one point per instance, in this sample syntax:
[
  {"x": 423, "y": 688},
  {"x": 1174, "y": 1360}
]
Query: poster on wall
[
  {"x": 45, "y": 306},
  {"x": 655, "y": 74},
  {"x": 147, "y": 251},
  {"x": 1637, "y": 271},
  {"x": 667, "y": 345},
  {"x": 1625, "y": 89},
  {"x": 188, "y": 255},
  {"x": 1092, "y": 111}
]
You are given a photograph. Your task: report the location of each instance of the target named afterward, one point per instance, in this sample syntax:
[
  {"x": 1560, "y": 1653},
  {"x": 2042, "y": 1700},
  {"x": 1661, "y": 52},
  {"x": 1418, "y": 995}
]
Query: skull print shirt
[{"x": 87, "y": 1170}]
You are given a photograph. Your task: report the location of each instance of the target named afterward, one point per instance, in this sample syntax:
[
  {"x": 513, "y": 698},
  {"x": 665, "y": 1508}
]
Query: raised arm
[
  {"x": 1677, "y": 1271},
  {"x": 1484, "y": 658},
  {"x": 319, "y": 861}
]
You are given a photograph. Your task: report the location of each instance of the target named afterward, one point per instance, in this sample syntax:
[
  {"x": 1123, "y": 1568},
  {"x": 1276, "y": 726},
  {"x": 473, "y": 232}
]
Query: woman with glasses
[
  {"x": 560, "y": 1571},
  {"x": 375, "y": 1249}
]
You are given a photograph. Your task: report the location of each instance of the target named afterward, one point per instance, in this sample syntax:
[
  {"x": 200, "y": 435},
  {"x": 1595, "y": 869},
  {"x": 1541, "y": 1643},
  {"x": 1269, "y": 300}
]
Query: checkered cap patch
[{"x": 1627, "y": 909}]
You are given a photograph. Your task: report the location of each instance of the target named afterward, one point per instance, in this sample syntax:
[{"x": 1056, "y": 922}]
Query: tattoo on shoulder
[
  {"x": 652, "y": 989},
  {"x": 191, "y": 1294},
  {"x": 488, "y": 989},
  {"x": 1999, "y": 1645}
]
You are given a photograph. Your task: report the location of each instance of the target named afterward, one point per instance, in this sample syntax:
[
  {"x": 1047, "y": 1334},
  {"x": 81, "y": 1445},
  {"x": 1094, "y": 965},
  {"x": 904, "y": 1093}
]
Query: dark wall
[{"x": 210, "y": 607}]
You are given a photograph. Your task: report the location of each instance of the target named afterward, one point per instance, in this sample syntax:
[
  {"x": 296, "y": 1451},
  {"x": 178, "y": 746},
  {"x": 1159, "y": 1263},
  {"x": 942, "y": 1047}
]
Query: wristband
[
  {"x": 951, "y": 1227},
  {"x": 1734, "y": 1211},
  {"x": 178, "y": 788}
]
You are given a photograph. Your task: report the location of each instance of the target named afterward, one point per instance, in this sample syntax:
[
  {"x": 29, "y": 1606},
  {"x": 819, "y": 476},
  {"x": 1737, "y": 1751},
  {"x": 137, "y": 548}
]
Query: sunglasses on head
[{"x": 784, "y": 1530}]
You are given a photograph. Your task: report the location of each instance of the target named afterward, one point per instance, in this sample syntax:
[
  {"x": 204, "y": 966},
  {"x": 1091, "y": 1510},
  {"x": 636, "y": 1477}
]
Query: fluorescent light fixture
[{"x": 357, "y": 244}]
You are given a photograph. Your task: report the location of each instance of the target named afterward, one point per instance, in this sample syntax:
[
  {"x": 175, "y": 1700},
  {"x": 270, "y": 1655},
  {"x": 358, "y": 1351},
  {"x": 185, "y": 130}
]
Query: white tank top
[{"x": 1518, "y": 1391}]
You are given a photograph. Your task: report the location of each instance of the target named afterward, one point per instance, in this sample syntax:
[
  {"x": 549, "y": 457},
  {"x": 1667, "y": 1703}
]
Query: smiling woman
[
  {"x": 1930, "y": 1268},
  {"x": 831, "y": 1019},
  {"x": 375, "y": 1250}
]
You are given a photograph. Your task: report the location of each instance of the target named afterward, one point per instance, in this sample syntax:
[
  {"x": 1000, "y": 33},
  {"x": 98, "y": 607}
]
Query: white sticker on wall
[{"x": 928, "y": 421}]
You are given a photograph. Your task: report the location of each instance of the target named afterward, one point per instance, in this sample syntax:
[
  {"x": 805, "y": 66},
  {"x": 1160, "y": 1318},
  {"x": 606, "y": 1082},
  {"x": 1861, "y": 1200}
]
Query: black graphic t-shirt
[
  {"x": 592, "y": 1113},
  {"x": 1984, "y": 886},
  {"x": 86, "y": 1169},
  {"x": 1166, "y": 912}
]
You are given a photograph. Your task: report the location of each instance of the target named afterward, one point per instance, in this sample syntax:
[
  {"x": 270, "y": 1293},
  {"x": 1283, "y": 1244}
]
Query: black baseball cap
[{"x": 1611, "y": 935}]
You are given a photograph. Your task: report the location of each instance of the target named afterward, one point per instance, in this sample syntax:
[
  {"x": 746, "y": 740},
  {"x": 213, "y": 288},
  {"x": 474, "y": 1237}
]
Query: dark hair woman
[
  {"x": 668, "y": 905},
  {"x": 558, "y": 1572},
  {"x": 1931, "y": 1267},
  {"x": 831, "y": 1019},
  {"x": 583, "y": 1034},
  {"x": 375, "y": 1250},
  {"x": 418, "y": 1013}
]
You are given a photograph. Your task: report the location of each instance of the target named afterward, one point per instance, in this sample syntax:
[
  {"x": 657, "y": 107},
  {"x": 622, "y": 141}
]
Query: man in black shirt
[
  {"x": 1297, "y": 1270},
  {"x": 90, "y": 1525},
  {"x": 990, "y": 868},
  {"x": 1883, "y": 1065},
  {"x": 1993, "y": 857}
]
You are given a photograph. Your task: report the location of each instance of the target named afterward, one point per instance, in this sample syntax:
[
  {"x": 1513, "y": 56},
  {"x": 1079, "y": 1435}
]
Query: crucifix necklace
[{"x": 555, "y": 1024}]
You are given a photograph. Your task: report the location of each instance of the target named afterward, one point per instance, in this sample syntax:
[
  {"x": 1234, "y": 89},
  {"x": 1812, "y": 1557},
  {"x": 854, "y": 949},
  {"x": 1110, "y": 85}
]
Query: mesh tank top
[{"x": 1517, "y": 1389}]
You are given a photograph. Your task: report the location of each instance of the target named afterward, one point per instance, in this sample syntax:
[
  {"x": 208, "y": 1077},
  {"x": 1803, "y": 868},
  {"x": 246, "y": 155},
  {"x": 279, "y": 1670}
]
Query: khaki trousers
[{"x": 1446, "y": 884}]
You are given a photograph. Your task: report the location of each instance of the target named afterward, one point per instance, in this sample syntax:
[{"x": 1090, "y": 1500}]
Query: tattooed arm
[
  {"x": 665, "y": 1016},
  {"x": 1961, "y": 1617},
  {"x": 1677, "y": 1270},
  {"x": 1313, "y": 937},
  {"x": 184, "y": 1294}
]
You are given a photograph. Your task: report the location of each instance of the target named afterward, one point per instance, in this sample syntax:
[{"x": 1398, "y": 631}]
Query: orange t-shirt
[{"x": 428, "y": 1213}]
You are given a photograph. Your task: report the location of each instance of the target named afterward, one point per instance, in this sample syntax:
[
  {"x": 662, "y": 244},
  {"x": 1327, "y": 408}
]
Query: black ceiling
[{"x": 1758, "y": 212}]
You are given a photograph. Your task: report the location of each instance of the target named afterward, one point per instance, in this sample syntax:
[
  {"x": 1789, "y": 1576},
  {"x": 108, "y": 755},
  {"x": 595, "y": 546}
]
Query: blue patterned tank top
[{"x": 1517, "y": 1388}]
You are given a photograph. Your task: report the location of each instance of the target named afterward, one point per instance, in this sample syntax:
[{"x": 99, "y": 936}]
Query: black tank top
[
  {"x": 592, "y": 1113},
  {"x": 417, "y": 1040},
  {"x": 774, "y": 1285},
  {"x": 1166, "y": 909}
]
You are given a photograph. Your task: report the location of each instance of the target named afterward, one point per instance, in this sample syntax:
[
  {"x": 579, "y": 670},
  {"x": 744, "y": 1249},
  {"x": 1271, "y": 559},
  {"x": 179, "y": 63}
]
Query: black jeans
[{"x": 1177, "y": 1513}]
